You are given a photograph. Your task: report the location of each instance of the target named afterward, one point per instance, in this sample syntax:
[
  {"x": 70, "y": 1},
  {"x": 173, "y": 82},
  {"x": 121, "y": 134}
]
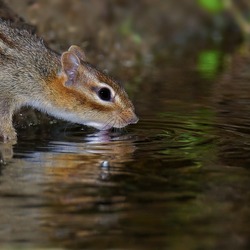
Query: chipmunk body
[{"x": 65, "y": 86}]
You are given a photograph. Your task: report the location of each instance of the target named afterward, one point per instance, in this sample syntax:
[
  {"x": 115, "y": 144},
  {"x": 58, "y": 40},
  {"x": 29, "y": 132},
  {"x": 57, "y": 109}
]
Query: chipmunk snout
[
  {"x": 128, "y": 117},
  {"x": 133, "y": 120}
]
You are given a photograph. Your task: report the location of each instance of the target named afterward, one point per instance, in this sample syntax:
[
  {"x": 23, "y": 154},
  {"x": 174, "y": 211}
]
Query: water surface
[{"x": 179, "y": 179}]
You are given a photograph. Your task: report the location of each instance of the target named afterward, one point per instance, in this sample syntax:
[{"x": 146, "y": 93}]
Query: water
[{"x": 179, "y": 179}]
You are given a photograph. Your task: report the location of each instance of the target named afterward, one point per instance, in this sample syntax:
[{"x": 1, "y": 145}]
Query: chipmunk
[{"x": 65, "y": 86}]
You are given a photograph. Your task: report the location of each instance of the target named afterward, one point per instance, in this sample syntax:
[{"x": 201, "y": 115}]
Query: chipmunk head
[{"x": 96, "y": 99}]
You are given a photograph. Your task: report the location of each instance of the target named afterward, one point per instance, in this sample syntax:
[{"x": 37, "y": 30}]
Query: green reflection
[
  {"x": 192, "y": 137},
  {"x": 208, "y": 63}
]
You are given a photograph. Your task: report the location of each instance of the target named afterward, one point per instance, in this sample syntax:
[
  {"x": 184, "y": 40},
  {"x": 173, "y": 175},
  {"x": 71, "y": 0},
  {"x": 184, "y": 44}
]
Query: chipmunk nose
[{"x": 134, "y": 119}]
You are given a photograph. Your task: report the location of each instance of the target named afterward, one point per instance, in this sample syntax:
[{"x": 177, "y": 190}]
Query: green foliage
[
  {"x": 213, "y": 6},
  {"x": 126, "y": 29}
]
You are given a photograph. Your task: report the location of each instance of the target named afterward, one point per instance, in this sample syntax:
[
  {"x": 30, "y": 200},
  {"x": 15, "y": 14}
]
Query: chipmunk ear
[
  {"x": 78, "y": 51},
  {"x": 70, "y": 64}
]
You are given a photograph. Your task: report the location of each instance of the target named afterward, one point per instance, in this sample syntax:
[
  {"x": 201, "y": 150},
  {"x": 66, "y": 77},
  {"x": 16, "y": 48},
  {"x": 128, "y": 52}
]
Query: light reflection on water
[
  {"x": 152, "y": 183},
  {"x": 87, "y": 184}
]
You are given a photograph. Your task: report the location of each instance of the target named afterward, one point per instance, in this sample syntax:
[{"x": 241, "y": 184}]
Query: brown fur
[{"x": 5, "y": 39}]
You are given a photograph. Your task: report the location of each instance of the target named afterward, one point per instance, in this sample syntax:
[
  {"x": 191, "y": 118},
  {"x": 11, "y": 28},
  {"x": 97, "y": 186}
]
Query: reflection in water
[
  {"x": 57, "y": 175},
  {"x": 6, "y": 152},
  {"x": 88, "y": 191},
  {"x": 159, "y": 180}
]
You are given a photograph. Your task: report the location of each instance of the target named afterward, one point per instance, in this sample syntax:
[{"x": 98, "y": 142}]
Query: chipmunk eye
[{"x": 104, "y": 94}]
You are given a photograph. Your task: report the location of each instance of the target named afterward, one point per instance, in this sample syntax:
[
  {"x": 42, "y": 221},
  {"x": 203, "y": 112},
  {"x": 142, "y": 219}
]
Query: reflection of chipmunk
[{"x": 64, "y": 86}]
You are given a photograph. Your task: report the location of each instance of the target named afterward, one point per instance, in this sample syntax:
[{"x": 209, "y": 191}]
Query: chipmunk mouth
[
  {"x": 116, "y": 121},
  {"x": 125, "y": 118}
]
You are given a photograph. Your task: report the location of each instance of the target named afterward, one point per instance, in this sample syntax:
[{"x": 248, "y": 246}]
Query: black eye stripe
[{"x": 104, "y": 94}]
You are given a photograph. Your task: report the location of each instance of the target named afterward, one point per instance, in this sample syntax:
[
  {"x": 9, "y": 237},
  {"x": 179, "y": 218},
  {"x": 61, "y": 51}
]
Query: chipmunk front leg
[{"x": 7, "y": 131}]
